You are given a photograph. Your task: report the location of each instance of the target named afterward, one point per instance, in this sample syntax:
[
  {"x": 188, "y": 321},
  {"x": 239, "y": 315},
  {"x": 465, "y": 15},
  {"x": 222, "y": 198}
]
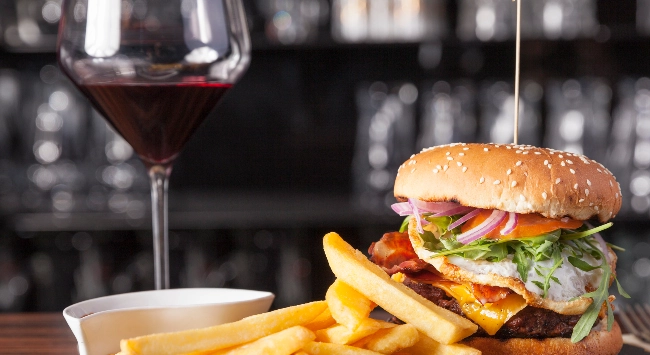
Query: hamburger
[{"x": 500, "y": 235}]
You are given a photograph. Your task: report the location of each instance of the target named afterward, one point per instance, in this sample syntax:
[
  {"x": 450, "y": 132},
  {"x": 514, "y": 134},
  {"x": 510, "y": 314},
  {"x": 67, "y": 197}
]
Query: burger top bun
[{"x": 512, "y": 178}]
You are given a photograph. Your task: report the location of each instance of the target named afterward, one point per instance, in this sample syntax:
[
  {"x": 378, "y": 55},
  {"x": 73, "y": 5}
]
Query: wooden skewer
[{"x": 517, "y": 70}]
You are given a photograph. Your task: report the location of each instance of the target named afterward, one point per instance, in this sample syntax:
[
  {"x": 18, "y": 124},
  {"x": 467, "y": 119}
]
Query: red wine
[{"x": 156, "y": 119}]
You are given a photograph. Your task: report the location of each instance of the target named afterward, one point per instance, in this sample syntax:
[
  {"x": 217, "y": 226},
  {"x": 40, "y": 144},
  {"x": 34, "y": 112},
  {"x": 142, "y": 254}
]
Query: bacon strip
[{"x": 394, "y": 253}]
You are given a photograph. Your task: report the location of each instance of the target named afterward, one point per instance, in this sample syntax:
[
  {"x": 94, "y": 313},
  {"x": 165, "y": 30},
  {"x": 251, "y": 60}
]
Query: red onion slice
[
  {"x": 484, "y": 228},
  {"x": 464, "y": 218},
  {"x": 418, "y": 218},
  {"x": 513, "y": 219},
  {"x": 454, "y": 211},
  {"x": 402, "y": 208},
  {"x": 433, "y": 207}
]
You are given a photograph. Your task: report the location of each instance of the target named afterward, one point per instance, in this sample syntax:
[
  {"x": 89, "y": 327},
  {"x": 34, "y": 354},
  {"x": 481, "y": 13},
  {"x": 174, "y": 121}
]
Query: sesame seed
[
  {"x": 552, "y": 152},
  {"x": 461, "y": 154},
  {"x": 485, "y": 149},
  {"x": 581, "y": 200},
  {"x": 588, "y": 182},
  {"x": 557, "y": 181},
  {"x": 525, "y": 153},
  {"x": 514, "y": 183},
  {"x": 445, "y": 168},
  {"x": 538, "y": 153},
  {"x": 459, "y": 164},
  {"x": 617, "y": 195},
  {"x": 435, "y": 171},
  {"x": 518, "y": 163},
  {"x": 587, "y": 192},
  {"x": 561, "y": 156},
  {"x": 450, "y": 158},
  {"x": 465, "y": 148},
  {"x": 464, "y": 169},
  {"x": 569, "y": 161},
  {"x": 591, "y": 204},
  {"x": 549, "y": 166},
  {"x": 610, "y": 183},
  {"x": 575, "y": 186},
  {"x": 438, "y": 167},
  {"x": 412, "y": 156},
  {"x": 497, "y": 182},
  {"x": 519, "y": 151},
  {"x": 509, "y": 172},
  {"x": 545, "y": 162},
  {"x": 413, "y": 170},
  {"x": 447, "y": 153},
  {"x": 544, "y": 195},
  {"x": 563, "y": 164},
  {"x": 572, "y": 171},
  {"x": 508, "y": 147},
  {"x": 522, "y": 198},
  {"x": 596, "y": 208},
  {"x": 496, "y": 146},
  {"x": 482, "y": 180}
]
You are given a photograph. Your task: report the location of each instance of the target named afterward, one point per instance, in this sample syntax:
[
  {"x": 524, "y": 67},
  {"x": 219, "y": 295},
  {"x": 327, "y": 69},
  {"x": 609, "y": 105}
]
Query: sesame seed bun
[
  {"x": 598, "y": 342},
  {"x": 512, "y": 178}
]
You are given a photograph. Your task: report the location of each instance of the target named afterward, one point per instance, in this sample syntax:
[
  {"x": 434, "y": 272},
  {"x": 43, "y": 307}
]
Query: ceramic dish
[{"x": 99, "y": 324}]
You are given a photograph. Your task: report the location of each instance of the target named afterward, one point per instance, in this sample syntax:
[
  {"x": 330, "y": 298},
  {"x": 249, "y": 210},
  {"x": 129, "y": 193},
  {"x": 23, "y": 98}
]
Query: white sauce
[{"x": 573, "y": 281}]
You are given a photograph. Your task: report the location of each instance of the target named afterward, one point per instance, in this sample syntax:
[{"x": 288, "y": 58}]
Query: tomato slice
[{"x": 529, "y": 225}]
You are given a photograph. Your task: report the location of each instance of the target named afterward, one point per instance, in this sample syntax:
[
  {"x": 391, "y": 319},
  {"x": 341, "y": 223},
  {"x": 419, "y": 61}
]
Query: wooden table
[
  {"x": 36, "y": 333},
  {"x": 48, "y": 333}
]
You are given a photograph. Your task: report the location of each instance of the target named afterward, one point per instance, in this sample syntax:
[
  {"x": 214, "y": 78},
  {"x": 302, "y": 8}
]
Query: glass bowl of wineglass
[{"x": 154, "y": 69}]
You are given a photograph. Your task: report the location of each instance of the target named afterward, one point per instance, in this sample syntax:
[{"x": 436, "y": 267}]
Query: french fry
[
  {"x": 388, "y": 341},
  {"x": 428, "y": 346},
  {"x": 316, "y": 348},
  {"x": 353, "y": 268},
  {"x": 340, "y": 334},
  {"x": 348, "y": 306},
  {"x": 225, "y": 335},
  {"x": 323, "y": 321},
  {"x": 285, "y": 342}
]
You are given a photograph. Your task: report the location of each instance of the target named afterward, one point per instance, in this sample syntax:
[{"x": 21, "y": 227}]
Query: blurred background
[{"x": 339, "y": 94}]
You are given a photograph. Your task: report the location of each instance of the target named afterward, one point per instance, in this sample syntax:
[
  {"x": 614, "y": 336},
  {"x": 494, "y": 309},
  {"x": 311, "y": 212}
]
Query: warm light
[{"x": 103, "y": 28}]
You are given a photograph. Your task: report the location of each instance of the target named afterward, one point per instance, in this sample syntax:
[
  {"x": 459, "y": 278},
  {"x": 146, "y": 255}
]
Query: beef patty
[{"x": 530, "y": 322}]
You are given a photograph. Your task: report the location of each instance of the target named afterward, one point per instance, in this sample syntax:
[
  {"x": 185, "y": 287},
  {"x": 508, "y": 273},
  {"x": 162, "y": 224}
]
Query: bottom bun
[{"x": 598, "y": 342}]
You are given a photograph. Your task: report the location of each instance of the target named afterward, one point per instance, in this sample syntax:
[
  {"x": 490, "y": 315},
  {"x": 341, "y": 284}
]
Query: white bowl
[{"x": 99, "y": 324}]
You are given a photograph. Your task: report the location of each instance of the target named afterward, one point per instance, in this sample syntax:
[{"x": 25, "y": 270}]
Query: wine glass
[{"x": 154, "y": 69}]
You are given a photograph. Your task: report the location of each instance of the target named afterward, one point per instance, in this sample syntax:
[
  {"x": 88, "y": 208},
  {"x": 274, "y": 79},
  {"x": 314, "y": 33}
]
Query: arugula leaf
[
  {"x": 600, "y": 296},
  {"x": 583, "y": 234},
  {"x": 621, "y": 291},
  {"x": 405, "y": 224},
  {"x": 581, "y": 264},
  {"x": 523, "y": 263}
]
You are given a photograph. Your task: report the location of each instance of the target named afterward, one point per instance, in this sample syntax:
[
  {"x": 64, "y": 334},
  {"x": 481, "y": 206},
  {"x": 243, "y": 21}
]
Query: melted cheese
[{"x": 490, "y": 316}]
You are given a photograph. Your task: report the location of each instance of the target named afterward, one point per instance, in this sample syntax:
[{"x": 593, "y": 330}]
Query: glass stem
[{"x": 159, "y": 184}]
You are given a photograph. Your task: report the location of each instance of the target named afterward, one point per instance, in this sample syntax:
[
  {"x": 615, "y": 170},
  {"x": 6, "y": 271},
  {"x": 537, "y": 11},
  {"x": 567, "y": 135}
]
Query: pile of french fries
[{"x": 339, "y": 325}]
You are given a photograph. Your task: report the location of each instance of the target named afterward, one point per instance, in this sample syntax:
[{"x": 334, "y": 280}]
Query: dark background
[{"x": 280, "y": 162}]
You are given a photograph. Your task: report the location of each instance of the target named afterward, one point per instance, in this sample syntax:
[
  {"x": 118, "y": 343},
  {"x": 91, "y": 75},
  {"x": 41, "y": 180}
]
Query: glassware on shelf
[
  {"x": 495, "y": 20},
  {"x": 385, "y": 138},
  {"x": 578, "y": 116},
  {"x": 388, "y": 20},
  {"x": 497, "y": 106},
  {"x": 629, "y": 148},
  {"x": 448, "y": 114}
]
